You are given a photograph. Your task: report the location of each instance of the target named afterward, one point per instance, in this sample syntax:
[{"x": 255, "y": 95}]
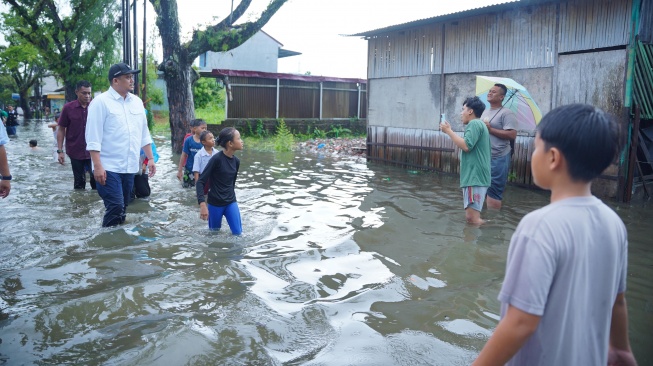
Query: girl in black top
[{"x": 220, "y": 175}]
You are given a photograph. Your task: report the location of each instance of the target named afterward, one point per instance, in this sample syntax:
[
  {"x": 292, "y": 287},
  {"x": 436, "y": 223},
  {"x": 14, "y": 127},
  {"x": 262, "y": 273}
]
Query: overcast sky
[{"x": 314, "y": 27}]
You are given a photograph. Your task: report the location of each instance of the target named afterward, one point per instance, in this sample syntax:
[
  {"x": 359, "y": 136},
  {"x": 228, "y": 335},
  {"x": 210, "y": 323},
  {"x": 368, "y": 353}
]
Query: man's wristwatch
[
  {"x": 6, "y": 177},
  {"x": 59, "y": 151}
]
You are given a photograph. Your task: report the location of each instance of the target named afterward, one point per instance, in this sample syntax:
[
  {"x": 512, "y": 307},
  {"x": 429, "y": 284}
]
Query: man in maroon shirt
[{"x": 72, "y": 128}]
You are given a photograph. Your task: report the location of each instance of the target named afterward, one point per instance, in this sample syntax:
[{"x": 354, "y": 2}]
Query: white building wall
[{"x": 259, "y": 53}]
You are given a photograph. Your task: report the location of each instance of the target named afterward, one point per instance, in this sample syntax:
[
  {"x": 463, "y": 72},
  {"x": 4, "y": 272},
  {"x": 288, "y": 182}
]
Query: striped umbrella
[{"x": 517, "y": 99}]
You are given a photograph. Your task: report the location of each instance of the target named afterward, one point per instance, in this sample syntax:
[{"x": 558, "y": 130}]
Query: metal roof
[
  {"x": 502, "y": 6},
  {"x": 274, "y": 75}
]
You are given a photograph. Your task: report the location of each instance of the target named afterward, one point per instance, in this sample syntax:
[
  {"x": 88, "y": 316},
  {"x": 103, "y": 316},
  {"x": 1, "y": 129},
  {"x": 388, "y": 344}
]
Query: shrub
[{"x": 284, "y": 139}]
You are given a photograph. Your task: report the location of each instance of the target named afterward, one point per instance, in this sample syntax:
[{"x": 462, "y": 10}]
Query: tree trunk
[
  {"x": 70, "y": 92},
  {"x": 24, "y": 104},
  {"x": 179, "y": 80}
]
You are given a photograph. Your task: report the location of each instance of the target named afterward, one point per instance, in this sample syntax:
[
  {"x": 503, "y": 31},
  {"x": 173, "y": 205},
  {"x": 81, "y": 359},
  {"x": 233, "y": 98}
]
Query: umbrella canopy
[{"x": 517, "y": 99}]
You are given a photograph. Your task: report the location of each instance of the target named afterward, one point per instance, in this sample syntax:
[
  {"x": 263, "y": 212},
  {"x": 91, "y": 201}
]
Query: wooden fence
[{"x": 434, "y": 150}]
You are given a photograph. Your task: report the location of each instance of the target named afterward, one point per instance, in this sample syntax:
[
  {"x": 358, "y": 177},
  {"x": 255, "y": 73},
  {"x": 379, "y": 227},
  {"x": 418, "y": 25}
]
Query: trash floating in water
[
  {"x": 386, "y": 178},
  {"x": 320, "y": 146}
]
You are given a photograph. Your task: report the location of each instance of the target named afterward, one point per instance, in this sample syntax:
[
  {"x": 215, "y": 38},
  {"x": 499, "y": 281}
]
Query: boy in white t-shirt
[
  {"x": 203, "y": 156},
  {"x": 562, "y": 299}
]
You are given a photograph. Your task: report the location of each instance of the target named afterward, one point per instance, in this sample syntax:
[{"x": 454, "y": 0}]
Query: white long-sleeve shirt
[{"x": 117, "y": 128}]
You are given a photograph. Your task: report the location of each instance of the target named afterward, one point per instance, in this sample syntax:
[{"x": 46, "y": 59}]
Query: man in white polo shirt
[{"x": 116, "y": 130}]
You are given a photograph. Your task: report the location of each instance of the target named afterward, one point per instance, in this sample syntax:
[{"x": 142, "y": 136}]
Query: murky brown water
[{"x": 341, "y": 263}]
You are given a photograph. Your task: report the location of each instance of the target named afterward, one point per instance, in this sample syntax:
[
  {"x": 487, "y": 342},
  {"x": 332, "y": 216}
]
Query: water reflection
[{"x": 340, "y": 263}]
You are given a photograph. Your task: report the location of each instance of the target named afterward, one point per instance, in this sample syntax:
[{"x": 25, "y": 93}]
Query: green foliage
[
  {"x": 207, "y": 92},
  {"x": 254, "y": 128},
  {"x": 79, "y": 44},
  {"x": 319, "y": 134},
  {"x": 512, "y": 177},
  {"x": 338, "y": 131},
  {"x": 284, "y": 139},
  {"x": 150, "y": 120},
  {"x": 154, "y": 93},
  {"x": 260, "y": 129}
]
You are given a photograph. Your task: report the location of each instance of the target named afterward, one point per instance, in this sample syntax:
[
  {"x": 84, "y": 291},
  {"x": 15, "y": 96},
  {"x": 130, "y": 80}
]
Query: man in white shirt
[
  {"x": 116, "y": 130},
  {"x": 5, "y": 175}
]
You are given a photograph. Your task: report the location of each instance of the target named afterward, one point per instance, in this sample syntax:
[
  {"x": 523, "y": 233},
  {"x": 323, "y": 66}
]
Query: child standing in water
[
  {"x": 474, "y": 158},
  {"x": 563, "y": 296},
  {"x": 191, "y": 146},
  {"x": 221, "y": 172},
  {"x": 203, "y": 156}
]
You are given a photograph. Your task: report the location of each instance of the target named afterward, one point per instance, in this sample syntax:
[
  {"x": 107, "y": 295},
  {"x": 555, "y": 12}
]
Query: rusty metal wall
[
  {"x": 434, "y": 150},
  {"x": 245, "y": 90},
  {"x": 256, "y": 98}
]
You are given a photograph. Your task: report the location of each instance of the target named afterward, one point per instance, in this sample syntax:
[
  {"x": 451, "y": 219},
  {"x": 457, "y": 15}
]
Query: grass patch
[
  {"x": 212, "y": 114},
  {"x": 259, "y": 143},
  {"x": 161, "y": 121}
]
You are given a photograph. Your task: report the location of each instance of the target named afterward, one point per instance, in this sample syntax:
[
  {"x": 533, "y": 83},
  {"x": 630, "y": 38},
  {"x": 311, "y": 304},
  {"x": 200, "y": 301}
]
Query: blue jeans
[
  {"x": 499, "y": 169},
  {"x": 231, "y": 212},
  {"x": 115, "y": 193},
  {"x": 11, "y": 130}
]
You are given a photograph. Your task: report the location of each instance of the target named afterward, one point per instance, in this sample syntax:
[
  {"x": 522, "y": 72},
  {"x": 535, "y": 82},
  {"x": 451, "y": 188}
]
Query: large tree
[
  {"x": 25, "y": 68},
  {"x": 178, "y": 58},
  {"x": 76, "y": 38}
]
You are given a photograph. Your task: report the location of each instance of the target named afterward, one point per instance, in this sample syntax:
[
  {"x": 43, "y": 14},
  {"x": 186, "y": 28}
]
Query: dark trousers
[
  {"x": 116, "y": 193},
  {"x": 11, "y": 130},
  {"x": 80, "y": 167}
]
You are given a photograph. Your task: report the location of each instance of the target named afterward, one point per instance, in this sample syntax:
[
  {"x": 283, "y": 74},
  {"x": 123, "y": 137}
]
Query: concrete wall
[
  {"x": 594, "y": 78},
  {"x": 412, "y": 102},
  {"x": 259, "y": 53}
]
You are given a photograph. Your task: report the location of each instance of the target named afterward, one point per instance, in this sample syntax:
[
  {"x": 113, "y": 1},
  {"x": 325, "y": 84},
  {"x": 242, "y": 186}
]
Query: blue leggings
[{"x": 231, "y": 212}]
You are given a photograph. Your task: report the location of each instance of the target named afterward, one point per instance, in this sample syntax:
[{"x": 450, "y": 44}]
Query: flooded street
[{"x": 341, "y": 263}]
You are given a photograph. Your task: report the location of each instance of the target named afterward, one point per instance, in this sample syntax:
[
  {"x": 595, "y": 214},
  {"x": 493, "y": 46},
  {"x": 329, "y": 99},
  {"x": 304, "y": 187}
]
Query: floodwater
[{"x": 341, "y": 263}]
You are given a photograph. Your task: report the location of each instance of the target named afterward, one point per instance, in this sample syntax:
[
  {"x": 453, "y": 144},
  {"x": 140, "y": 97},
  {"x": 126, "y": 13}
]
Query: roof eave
[{"x": 508, "y": 5}]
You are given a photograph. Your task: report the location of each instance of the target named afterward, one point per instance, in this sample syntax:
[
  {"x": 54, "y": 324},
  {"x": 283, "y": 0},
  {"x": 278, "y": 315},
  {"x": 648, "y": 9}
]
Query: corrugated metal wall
[
  {"x": 297, "y": 99},
  {"x": 434, "y": 150},
  {"x": 520, "y": 39},
  {"x": 413, "y": 52},
  {"x": 504, "y": 43},
  {"x": 516, "y": 39},
  {"x": 597, "y": 24}
]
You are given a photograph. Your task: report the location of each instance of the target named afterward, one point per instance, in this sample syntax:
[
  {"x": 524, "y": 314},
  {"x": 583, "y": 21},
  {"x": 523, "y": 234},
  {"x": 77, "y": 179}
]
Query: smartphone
[{"x": 443, "y": 117}]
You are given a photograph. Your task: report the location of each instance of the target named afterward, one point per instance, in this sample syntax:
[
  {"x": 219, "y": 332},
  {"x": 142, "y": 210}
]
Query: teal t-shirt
[{"x": 475, "y": 164}]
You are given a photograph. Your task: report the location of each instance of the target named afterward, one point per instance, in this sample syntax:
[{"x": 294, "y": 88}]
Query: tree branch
[{"x": 220, "y": 38}]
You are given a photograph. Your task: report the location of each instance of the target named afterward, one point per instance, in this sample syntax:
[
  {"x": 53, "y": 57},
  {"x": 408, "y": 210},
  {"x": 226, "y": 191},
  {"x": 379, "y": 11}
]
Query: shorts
[
  {"x": 499, "y": 170},
  {"x": 473, "y": 197},
  {"x": 188, "y": 180}
]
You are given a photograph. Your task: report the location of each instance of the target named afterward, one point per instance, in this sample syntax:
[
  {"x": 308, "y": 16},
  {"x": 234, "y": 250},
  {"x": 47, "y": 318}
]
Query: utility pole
[
  {"x": 144, "y": 68},
  {"x": 126, "y": 39},
  {"x": 136, "y": 89}
]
